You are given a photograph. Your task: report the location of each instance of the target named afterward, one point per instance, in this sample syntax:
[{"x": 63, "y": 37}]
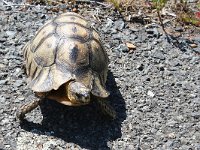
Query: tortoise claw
[{"x": 20, "y": 115}]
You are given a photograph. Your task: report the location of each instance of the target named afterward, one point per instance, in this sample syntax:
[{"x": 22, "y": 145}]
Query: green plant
[
  {"x": 122, "y": 5},
  {"x": 116, "y": 4},
  {"x": 186, "y": 15},
  {"x": 159, "y": 5},
  {"x": 182, "y": 10},
  {"x": 191, "y": 19}
]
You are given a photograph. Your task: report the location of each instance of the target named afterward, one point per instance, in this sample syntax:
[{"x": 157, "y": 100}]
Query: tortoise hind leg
[
  {"x": 28, "y": 107},
  {"x": 106, "y": 108}
]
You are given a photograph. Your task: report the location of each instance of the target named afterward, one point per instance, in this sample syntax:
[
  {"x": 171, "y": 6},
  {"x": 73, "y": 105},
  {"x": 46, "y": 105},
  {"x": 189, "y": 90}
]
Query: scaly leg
[
  {"x": 106, "y": 108},
  {"x": 35, "y": 101}
]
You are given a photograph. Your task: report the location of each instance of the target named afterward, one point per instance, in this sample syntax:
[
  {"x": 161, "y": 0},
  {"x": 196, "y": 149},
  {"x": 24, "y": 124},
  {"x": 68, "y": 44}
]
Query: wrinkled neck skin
[{"x": 63, "y": 95}]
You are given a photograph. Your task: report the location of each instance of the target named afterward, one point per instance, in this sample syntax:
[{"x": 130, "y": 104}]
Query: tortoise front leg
[
  {"x": 35, "y": 101},
  {"x": 106, "y": 108}
]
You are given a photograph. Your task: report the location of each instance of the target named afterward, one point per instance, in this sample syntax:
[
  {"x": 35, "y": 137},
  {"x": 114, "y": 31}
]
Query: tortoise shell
[{"x": 66, "y": 48}]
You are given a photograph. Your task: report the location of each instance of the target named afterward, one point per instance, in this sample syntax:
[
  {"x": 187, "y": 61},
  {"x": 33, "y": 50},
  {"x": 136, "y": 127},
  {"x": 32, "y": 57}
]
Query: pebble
[
  {"x": 2, "y": 65},
  {"x": 133, "y": 28},
  {"x": 150, "y": 93},
  {"x": 11, "y": 34},
  {"x": 2, "y": 40},
  {"x": 117, "y": 36},
  {"x": 109, "y": 23},
  {"x": 192, "y": 1},
  {"x": 195, "y": 115},
  {"x": 21, "y": 98},
  {"x": 130, "y": 46},
  {"x": 159, "y": 55},
  {"x": 171, "y": 136},
  {"x": 119, "y": 25},
  {"x": 2, "y": 82},
  {"x": 2, "y": 99},
  {"x": 156, "y": 33},
  {"x": 179, "y": 29},
  {"x": 150, "y": 31},
  {"x": 193, "y": 45},
  {"x": 18, "y": 83},
  {"x": 122, "y": 47}
]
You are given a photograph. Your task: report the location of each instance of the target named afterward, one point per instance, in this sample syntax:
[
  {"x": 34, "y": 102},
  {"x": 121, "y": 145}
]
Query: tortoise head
[{"x": 78, "y": 93}]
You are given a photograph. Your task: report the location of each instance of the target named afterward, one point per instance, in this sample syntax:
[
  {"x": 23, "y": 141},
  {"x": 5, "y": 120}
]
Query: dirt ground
[{"x": 155, "y": 87}]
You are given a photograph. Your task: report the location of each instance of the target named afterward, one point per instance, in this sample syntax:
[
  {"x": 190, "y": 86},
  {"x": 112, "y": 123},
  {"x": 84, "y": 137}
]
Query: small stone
[
  {"x": 156, "y": 32},
  {"x": 80, "y": 6},
  {"x": 17, "y": 72},
  {"x": 193, "y": 45},
  {"x": 18, "y": 83},
  {"x": 171, "y": 136},
  {"x": 153, "y": 31},
  {"x": 119, "y": 24},
  {"x": 179, "y": 29},
  {"x": 171, "y": 123},
  {"x": 5, "y": 121},
  {"x": 149, "y": 31},
  {"x": 2, "y": 99},
  {"x": 75, "y": 10},
  {"x": 109, "y": 23},
  {"x": 2, "y": 82},
  {"x": 2, "y": 65},
  {"x": 11, "y": 34},
  {"x": 133, "y": 28},
  {"x": 130, "y": 46},
  {"x": 150, "y": 93},
  {"x": 147, "y": 19},
  {"x": 158, "y": 55},
  {"x": 117, "y": 36},
  {"x": 115, "y": 42},
  {"x": 127, "y": 18},
  {"x": 130, "y": 147},
  {"x": 133, "y": 37},
  {"x": 2, "y": 40},
  {"x": 7, "y": 146},
  {"x": 122, "y": 47},
  {"x": 192, "y": 1},
  {"x": 195, "y": 115},
  {"x": 20, "y": 98},
  {"x": 55, "y": 9},
  {"x": 196, "y": 39}
]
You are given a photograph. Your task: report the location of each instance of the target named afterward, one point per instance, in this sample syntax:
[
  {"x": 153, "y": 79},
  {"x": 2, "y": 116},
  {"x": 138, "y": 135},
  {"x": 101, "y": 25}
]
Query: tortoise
[{"x": 66, "y": 62}]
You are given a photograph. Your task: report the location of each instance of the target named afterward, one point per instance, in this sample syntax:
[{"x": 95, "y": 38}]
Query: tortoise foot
[
  {"x": 107, "y": 109},
  {"x": 20, "y": 114},
  {"x": 27, "y": 108}
]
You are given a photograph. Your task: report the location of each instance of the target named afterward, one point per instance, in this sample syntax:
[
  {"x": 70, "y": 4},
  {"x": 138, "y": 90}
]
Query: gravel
[{"x": 155, "y": 88}]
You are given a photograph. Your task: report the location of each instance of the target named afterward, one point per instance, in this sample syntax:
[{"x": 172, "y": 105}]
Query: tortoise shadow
[{"x": 85, "y": 125}]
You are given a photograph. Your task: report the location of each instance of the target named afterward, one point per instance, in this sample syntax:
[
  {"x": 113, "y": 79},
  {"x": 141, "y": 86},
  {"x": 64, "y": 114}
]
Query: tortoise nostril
[
  {"x": 86, "y": 95},
  {"x": 78, "y": 96}
]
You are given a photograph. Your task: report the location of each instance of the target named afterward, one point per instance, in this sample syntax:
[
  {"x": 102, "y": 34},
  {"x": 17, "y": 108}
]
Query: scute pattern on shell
[{"x": 66, "y": 48}]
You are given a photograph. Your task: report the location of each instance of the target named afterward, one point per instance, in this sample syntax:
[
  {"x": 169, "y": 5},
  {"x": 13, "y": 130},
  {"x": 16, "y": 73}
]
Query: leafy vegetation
[
  {"x": 121, "y": 5},
  {"x": 159, "y": 4},
  {"x": 181, "y": 9}
]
